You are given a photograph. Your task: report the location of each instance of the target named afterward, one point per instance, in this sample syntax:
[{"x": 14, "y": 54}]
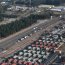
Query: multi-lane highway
[{"x": 11, "y": 40}]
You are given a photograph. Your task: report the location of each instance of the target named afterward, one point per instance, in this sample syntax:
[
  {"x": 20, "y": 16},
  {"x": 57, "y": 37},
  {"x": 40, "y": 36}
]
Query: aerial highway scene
[{"x": 32, "y": 32}]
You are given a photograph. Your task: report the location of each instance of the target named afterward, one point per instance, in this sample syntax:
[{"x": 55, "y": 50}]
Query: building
[
  {"x": 46, "y": 6},
  {"x": 58, "y": 10}
]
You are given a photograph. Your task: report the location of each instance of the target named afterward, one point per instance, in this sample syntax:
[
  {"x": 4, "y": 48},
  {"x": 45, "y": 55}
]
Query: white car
[
  {"x": 26, "y": 36},
  {"x": 35, "y": 31},
  {"x": 22, "y": 39},
  {"x": 31, "y": 34},
  {"x": 34, "y": 28},
  {"x": 18, "y": 40}
]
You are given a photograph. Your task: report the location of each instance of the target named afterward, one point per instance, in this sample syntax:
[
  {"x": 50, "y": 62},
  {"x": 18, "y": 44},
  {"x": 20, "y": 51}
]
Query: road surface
[{"x": 7, "y": 42}]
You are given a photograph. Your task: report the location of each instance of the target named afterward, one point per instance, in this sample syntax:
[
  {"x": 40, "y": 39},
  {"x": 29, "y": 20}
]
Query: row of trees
[{"x": 13, "y": 27}]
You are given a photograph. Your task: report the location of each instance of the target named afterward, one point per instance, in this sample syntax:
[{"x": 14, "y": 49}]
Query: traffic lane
[
  {"x": 24, "y": 30},
  {"x": 9, "y": 42},
  {"x": 21, "y": 45},
  {"x": 12, "y": 40},
  {"x": 20, "y": 32},
  {"x": 15, "y": 38}
]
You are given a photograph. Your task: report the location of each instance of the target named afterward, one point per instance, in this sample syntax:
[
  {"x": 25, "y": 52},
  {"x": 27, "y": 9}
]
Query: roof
[
  {"x": 47, "y": 6},
  {"x": 59, "y": 8}
]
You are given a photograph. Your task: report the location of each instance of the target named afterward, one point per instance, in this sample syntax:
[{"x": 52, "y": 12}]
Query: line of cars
[{"x": 35, "y": 29}]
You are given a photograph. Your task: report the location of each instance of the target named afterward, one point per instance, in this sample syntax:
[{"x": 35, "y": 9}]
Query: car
[
  {"x": 35, "y": 31},
  {"x": 22, "y": 38},
  {"x": 41, "y": 28},
  {"x": 30, "y": 34},
  {"x": 18, "y": 40},
  {"x": 38, "y": 30},
  {"x": 34, "y": 28},
  {"x": 26, "y": 36},
  {"x": 55, "y": 36}
]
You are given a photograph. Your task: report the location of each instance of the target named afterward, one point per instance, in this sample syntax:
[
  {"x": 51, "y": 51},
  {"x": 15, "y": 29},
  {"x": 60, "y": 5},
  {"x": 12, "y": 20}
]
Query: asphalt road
[
  {"x": 8, "y": 42},
  {"x": 12, "y": 40}
]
